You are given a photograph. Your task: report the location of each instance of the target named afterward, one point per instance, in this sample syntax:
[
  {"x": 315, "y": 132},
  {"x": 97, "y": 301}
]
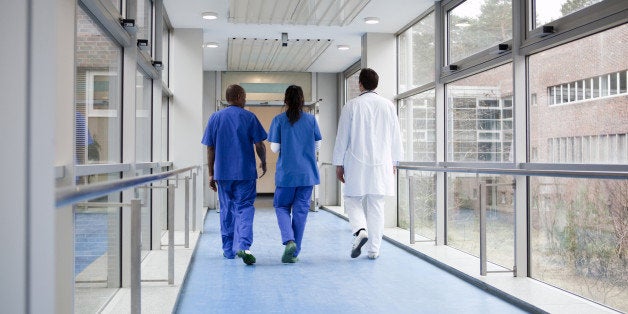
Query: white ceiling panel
[
  {"x": 295, "y": 12},
  {"x": 253, "y": 54}
]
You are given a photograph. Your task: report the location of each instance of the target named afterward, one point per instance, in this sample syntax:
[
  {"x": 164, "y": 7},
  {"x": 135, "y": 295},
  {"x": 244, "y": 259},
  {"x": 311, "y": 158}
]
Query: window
[
  {"x": 476, "y": 25},
  {"x": 416, "y": 54},
  {"x": 98, "y": 94},
  {"x": 417, "y": 119},
  {"x": 352, "y": 87},
  {"x": 595, "y": 118},
  {"x": 143, "y": 117},
  {"x": 145, "y": 21},
  {"x": 585, "y": 89},
  {"x": 478, "y": 107},
  {"x": 548, "y": 11}
]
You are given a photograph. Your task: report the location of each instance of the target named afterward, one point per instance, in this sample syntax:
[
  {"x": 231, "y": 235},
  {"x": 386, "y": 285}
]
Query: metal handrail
[
  {"x": 614, "y": 172},
  {"x": 70, "y": 195}
]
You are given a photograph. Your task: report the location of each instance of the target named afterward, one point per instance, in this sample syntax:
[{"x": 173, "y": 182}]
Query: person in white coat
[{"x": 367, "y": 149}]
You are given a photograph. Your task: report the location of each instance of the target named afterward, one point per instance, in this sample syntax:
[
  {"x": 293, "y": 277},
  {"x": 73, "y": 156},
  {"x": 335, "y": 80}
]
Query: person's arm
[
  {"x": 260, "y": 148},
  {"x": 275, "y": 147},
  {"x": 342, "y": 142},
  {"x": 211, "y": 156}
]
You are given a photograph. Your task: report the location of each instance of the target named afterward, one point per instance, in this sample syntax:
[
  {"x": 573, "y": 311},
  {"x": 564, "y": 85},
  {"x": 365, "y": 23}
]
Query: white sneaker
[
  {"x": 372, "y": 255},
  {"x": 358, "y": 242}
]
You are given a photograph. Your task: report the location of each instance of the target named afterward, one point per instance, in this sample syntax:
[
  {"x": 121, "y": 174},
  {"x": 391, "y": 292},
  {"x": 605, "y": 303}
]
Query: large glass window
[
  {"x": 417, "y": 119},
  {"x": 165, "y": 101},
  {"x": 548, "y": 11},
  {"x": 143, "y": 116},
  {"x": 479, "y": 117},
  {"x": 476, "y": 25},
  {"x": 416, "y": 54},
  {"x": 98, "y": 94},
  {"x": 144, "y": 21},
  {"x": 165, "y": 57},
  {"x": 578, "y": 240},
  {"x": 581, "y": 112}
]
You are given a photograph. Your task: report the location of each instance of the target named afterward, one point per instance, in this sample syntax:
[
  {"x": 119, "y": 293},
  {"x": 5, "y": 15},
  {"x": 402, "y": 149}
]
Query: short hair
[
  {"x": 369, "y": 79},
  {"x": 234, "y": 92}
]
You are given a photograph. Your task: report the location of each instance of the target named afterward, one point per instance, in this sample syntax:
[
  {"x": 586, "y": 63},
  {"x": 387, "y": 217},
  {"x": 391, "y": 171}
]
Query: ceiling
[{"x": 249, "y": 32}]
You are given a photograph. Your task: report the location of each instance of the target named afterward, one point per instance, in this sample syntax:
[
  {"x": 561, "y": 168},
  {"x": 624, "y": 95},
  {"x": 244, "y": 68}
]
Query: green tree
[{"x": 571, "y": 6}]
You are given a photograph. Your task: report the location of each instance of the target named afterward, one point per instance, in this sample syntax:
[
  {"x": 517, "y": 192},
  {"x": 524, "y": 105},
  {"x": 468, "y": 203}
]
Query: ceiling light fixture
[
  {"x": 371, "y": 20},
  {"x": 343, "y": 47},
  {"x": 210, "y": 15},
  {"x": 211, "y": 45}
]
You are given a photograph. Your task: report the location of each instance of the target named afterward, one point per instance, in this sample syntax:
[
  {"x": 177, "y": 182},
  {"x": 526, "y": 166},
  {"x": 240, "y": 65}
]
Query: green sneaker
[
  {"x": 247, "y": 257},
  {"x": 293, "y": 260},
  {"x": 288, "y": 252}
]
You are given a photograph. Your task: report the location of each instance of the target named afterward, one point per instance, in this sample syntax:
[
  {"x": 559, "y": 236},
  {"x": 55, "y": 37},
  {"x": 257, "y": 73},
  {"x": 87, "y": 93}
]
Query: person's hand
[
  {"x": 263, "y": 167},
  {"x": 340, "y": 173},
  {"x": 394, "y": 169},
  {"x": 212, "y": 183}
]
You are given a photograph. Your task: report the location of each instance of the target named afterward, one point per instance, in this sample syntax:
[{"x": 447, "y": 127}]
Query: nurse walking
[
  {"x": 296, "y": 136},
  {"x": 230, "y": 136}
]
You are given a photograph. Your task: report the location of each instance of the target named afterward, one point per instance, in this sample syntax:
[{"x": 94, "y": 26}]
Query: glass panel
[
  {"x": 116, "y": 4},
  {"x": 144, "y": 195},
  {"x": 592, "y": 121},
  {"x": 476, "y": 25},
  {"x": 96, "y": 250},
  {"x": 416, "y": 55},
  {"x": 578, "y": 237},
  {"x": 548, "y": 11},
  {"x": 165, "y": 58},
  {"x": 143, "y": 116},
  {"x": 417, "y": 119},
  {"x": 165, "y": 101},
  {"x": 463, "y": 216},
  {"x": 98, "y": 94},
  {"x": 477, "y": 104},
  {"x": 352, "y": 86},
  {"x": 145, "y": 21},
  {"x": 424, "y": 202}
]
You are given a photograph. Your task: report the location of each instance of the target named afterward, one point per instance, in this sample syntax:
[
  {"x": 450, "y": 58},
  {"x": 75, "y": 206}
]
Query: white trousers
[{"x": 367, "y": 212}]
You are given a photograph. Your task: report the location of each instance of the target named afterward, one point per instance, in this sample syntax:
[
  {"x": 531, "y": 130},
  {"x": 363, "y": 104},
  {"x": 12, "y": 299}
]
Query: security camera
[{"x": 284, "y": 39}]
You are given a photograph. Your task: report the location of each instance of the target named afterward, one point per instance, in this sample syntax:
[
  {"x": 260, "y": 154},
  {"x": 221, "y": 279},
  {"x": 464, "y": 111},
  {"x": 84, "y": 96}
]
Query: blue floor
[
  {"x": 90, "y": 239},
  {"x": 325, "y": 280}
]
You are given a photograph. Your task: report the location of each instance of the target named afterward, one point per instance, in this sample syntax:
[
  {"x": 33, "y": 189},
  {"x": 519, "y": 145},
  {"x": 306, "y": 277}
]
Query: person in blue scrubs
[
  {"x": 296, "y": 136},
  {"x": 230, "y": 136}
]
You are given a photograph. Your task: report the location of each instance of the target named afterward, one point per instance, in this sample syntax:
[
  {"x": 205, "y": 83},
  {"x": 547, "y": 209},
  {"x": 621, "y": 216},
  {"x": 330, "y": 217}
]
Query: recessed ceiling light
[
  {"x": 371, "y": 20},
  {"x": 210, "y": 15},
  {"x": 343, "y": 47},
  {"x": 211, "y": 45}
]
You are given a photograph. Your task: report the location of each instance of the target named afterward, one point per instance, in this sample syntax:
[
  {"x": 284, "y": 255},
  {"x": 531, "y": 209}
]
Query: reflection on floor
[{"x": 325, "y": 280}]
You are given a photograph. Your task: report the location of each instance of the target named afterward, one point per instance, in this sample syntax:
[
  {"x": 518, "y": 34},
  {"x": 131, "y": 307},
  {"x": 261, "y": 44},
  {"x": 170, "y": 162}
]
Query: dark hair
[
  {"x": 234, "y": 92},
  {"x": 369, "y": 79},
  {"x": 294, "y": 101}
]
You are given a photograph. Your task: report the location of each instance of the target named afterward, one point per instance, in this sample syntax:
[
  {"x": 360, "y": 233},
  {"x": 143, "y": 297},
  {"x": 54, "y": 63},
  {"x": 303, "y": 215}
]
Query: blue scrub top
[
  {"x": 296, "y": 165},
  {"x": 233, "y": 132}
]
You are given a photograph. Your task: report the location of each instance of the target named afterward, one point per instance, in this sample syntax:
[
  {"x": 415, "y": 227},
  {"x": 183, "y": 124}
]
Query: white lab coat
[{"x": 367, "y": 144}]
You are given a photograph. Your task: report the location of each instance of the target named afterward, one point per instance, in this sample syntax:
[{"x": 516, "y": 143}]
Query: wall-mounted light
[
  {"x": 127, "y": 23},
  {"x": 209, "y": 15},
  {"x": 343, "y": 47},
  {"x": 211, "y": 45},
  {"x": 371, "y": 20}
]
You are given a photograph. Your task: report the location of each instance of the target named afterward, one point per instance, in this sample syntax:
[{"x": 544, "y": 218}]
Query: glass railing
[{"x": 101, "y": 233}]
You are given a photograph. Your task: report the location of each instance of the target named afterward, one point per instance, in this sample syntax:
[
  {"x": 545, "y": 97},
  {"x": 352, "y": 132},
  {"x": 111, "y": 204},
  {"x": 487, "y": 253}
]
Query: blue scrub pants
[
  {"x": 295, "y": 200},
  {"x": 236, "y": 214}
]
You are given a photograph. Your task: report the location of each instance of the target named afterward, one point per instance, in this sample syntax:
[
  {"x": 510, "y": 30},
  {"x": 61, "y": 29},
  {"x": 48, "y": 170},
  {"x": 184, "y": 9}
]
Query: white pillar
[
  {"x": 379, "y": 52},
  {"x": 186, "y": 83},
  {"x": 326, "y": 89}
]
